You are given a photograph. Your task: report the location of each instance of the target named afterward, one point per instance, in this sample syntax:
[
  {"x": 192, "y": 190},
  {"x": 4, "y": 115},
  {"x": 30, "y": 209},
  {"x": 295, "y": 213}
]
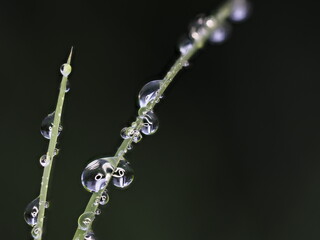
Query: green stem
[
  {"x": 216, "y": 19},
  {"x": 50, "y": 155}
]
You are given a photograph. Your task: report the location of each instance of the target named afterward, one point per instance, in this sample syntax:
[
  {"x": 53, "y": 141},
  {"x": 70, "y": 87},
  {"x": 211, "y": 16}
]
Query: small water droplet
[
  {"x": 197, "y": 27},
  {"x": 90, "y": 236},
  {"x": 240, "y": 10},
  {"x": 65, "y": 69},
  {"x": 130, "y": 147},
  {"x": 36, "y": 232},
  {"x": 104, "y": 198},
  {"x": 67, "y": 86},
  {"x": 56, "y": 152},
  {"x": 123, "y": 176},
  {"x": 31, "y": 212},
  {"x": 148, "y": 92},
  {"x": 221, "y": 34},
  {"x": 127, "y": 132},
  {"x": 150, "y": 123},
  {"x": 47, "y": 126},
  {"x": 186, "y": 64},
  {"x": 44, "y": 161},
  {"x": 137, "y": 137},
  {"x": 93, "y": 177},
  {"x": 98, "y": 212},
  {"x": 185, "y": 45},
  {"x": 85, "y": 220}
]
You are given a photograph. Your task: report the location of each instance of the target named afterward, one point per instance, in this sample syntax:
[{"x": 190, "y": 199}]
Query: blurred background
[{"x": 237, "y": 152}]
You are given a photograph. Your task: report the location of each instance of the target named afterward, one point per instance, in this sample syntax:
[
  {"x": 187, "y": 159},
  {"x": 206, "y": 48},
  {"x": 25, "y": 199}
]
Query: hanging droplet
[
  {"x": 36, "y": 232},
  {"x": 90, "y": 236},
  {"x": 127, "y": 132},
  {"x": 185, "y": 45},
  {"x": 31, "y": 212},
  {"x": 56, "y": 151},
  {"x": 130, "y": 147},
  {"x": 148, "y": 92},
  {"x": 85, "y": 220},
  {"x": 67, "y": 86},
  {"x": 198, "y": 27},
  {"x": 137, "y": 137},
  {"x": 123, "y": 175},
  {"x": 47, "y": 126},
  {"x": 104, "y": 198},
  {"x": 240, "y": 10},
  {"x": 97, "y": 212},
  {"x": 65, "y": 69},
  {"x": 93, "y": 177},
  {"x": 150, "y": 124},
  {"x": 44, "y": 161},
  {"x": 221, "y": 34}
]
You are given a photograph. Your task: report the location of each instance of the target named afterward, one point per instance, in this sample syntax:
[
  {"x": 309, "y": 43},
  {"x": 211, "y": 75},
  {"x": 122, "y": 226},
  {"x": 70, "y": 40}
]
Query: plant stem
[
  {"x": 50, "y": 153},
  {"x": 216, "y": 19}
]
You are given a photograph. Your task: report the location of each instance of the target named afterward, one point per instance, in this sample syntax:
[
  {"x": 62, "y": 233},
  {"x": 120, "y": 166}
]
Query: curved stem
[
  {"x": 213, "y": 22},
  {"x": 50, "y": 153}
]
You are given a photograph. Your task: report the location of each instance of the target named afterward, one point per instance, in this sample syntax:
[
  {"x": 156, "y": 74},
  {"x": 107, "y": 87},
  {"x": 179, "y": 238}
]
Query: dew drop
[
  {"x": 221, "y": 34},
  {"x": 31, "y": 212},
  {"x": 90, "y": 236},
  {"x": 123, "y": 175},
  {"x": 47, "y": 126},
  {"x": 67, "y": 86},
  {"x": 127, "y": 132},
  {"x": 44, "y": 161},
  {"x": 197, "y": 27},
  {"x": 185, "y": 45},
  {"x": 36, "y": 232},
  {"x": 85, "y": 220},
  {"x": 65, "y": 69},
  {"x": 137, "y": 137},
  {"x": 150, "y": 123},
  {"x": 148, "y": 92},
  {"x": 93, "y": 177},
  {"x": 240, "y": 11},
  {"x": 98, "y": 212},
  {"x": 104, "y": 198}
]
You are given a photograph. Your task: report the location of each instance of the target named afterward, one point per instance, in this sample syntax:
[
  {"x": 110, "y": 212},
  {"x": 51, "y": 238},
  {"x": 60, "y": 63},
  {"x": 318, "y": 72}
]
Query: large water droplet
[
  {"x": 65, "y": 69},
  {"x": 47, "y": 126},
  {"x": 198, "y": 27},
  {"x": 240, "y": 11},
  {"x": 150, "y": 123},
  {"x": 185, "y": 45},
  {"x": 221, "y": 34},
  {"x": 148, "y": 92},
  {"x": 85, "y": 220},
  {"x": 36, "y": 232},
  {"x": 90, "y": 236},
  {"x": 104, "y": 198},
  {"x": 123, "y": 175},
  {"x": 31, "y": 212},
  {"x": 93, "y": 177},
  {"x": 44, "y": 161}
]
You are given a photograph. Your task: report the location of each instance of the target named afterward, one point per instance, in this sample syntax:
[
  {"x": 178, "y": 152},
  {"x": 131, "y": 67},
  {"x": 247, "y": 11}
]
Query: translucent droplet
[
  {"x": 185, "y": 45},
  {"x": 85, "y": 220},
  {"x": 150, "y": 124},
  {"x": 93, "y": 177},
  {"x": 44, "y": 161},
  {"x": 36, "y": 232},
  {"x": 130, "y": 147},
  {"x": 137, "y": 137},
  {"x": 67, "y": 86},
  {"x": 221, "y": 34},
  {"x": 127, "y": 132},
  {"x": 98, "y": 212},
  {"x": 198, "y": 27},
  {"x": 56, "y": 151},
  {"x": 123, "y": 175},
  {"x": 47, "y": 125},
  {"x": 90, "y": 236},
  {"x": 240, "y": 11},
  {"x": 104, "y": 198},
  {"x": 148, "y": 92},
  {"x": 31, "y": 212},
  {"x": 65, "y": 69}
]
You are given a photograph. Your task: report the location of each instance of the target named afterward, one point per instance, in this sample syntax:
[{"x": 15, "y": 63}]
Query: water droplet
[
  {"x": 123, "y": 175},
  {"x": 197, "y": 27},
  {"x": 67, "y": 86},
  {"x": 65, "y": 69},
  {"x": 98, "y": 212},
  {"x": 31, "y": 212},
  {"x": 185, "y": 45},
  {"x": 104, "y": 198},
  {"x": 44, "y": 161},
  {"x": 47, "y": 126},
  {"x": 36, "y": 232},
  {"x": 150, "y": 124},
  {"x": 221, "y": 34},
  {"x": 240, "y": 11},
  {"x": 90, "y": 236},
  {"x": 93, "y": 177},
  {"x": 85, "y": 220},
  {"x": 56, "y": 151},
  {"x": 148, "y": 92},
  {"x": 137, "y": 137},
  {"x": 127, "y": 132},
  {"x": 130, "y": 147},
  {"x": 186, "y": 64}
]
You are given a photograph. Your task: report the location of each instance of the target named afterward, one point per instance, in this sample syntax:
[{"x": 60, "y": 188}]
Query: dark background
[{"x": 238, "y": 148}]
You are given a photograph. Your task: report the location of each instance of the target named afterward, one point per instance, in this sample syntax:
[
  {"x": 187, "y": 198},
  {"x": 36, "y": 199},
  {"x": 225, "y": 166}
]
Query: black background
[{"x": 237, "y": 152}]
